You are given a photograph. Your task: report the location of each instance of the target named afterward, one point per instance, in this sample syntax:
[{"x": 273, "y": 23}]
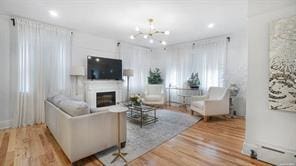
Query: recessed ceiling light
[
  {"x": 163, "y": 43},
  {"x": 53, "y": 13},
  {"x": 132, "y": 37},
  {"x": 211, "y": 25},
  {"x": 151, "y": 41},
  {"x": 137, "y": 29}
]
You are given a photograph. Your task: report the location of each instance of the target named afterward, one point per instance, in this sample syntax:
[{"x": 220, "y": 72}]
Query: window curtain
[
  {"x": 40, "y": 68},
  {"x": 209, "y": 60},
  {"x": 207, "y": 57},
  {"x": 139, "y": 60}
]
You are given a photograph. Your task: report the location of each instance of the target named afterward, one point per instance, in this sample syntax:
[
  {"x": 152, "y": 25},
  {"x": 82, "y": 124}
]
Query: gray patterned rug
[{"x": 141, "y": 140}]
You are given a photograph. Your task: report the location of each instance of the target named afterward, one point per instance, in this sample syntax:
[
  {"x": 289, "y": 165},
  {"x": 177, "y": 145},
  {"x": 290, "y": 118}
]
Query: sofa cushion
[
  {"x": 74, "y": 107},
  {"x": 198, "y": 104},
  {"x": 153, "y": 97},
  {"x": 56, "y": 99},
  {"x": 71, "y": 106}
]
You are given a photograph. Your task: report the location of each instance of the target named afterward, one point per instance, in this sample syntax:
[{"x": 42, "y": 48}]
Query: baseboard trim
[{"x": 4, "y": 124}]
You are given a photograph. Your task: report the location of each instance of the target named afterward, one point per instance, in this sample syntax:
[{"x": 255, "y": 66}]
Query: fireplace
[{"x": 106, "y": 99}]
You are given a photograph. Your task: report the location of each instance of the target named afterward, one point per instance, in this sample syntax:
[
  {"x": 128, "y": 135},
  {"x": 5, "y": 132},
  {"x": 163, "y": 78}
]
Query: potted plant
[
  {"x": 193, "y": 81},
  {"x": 154, "y": 76}
]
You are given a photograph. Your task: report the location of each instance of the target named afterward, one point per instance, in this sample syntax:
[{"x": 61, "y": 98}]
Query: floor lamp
[
  {"x": 128, "y": 73},
  {"x": 77, "y": 71}
]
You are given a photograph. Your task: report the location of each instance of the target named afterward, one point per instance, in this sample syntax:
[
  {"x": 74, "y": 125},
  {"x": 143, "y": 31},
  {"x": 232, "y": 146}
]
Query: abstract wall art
[{"x": 282, "y": 63}]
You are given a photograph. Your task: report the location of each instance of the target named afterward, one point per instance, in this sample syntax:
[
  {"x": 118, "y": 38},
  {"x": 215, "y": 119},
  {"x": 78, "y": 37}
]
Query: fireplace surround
[{"x": 100, "y": 86}]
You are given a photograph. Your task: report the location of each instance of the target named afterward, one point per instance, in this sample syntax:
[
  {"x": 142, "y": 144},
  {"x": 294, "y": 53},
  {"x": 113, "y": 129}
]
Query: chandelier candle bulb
[
  {"x": 152, "y": 27},
  {"x": 151, "y": 41},
  {"x": 53, "y": 13},
  {"x": 167, "y": 32},
  {"x": 145, "y": 36}
]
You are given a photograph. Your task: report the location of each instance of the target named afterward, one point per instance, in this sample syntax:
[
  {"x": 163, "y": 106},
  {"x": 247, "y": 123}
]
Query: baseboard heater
[
  {"x": 275, "y": 156},
  {"x": 272, "y": 149}
]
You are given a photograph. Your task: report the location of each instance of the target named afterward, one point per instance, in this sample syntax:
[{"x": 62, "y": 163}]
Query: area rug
[{"x": 141, "y": 140}]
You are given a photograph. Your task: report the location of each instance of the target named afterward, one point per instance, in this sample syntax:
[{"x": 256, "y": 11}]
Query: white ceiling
[
  {"x": 186, "y": 19},
  {"x": 257, "y": 7}
]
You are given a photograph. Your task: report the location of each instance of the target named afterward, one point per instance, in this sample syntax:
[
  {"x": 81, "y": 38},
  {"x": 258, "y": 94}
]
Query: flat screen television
[{"x": 99, "y": 68}]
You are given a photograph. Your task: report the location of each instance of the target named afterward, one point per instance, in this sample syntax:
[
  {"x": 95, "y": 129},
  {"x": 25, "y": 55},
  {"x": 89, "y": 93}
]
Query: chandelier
[{"x": 150, "y": 35}]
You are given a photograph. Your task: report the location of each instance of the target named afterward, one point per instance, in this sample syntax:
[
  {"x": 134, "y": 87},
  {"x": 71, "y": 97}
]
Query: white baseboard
[
  {"x": 271, "y": 154},
  {"x": 4, "y": 124}
]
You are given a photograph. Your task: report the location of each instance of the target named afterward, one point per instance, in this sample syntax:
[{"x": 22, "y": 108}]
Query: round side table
[{"x": 118, "y": 154}]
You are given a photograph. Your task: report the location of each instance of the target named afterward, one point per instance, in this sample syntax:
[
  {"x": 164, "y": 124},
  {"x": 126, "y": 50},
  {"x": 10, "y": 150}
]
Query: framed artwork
[{"x": 282, "y": 65}]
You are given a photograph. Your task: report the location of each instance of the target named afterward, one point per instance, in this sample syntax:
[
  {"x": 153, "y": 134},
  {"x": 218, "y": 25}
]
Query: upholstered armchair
[
  {"x": 216, "y": 102},
  {"x": 154, "y": 95}
]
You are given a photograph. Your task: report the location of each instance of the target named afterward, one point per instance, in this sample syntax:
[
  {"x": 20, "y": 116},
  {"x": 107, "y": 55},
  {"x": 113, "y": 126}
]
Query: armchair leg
[{"x": 192, "y": 112}]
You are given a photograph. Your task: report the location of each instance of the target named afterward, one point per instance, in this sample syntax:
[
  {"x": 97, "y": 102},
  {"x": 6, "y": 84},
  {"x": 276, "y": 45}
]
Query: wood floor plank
[
  {"x": 217, "y": 142},
  {"x": 4, "y": 147}
]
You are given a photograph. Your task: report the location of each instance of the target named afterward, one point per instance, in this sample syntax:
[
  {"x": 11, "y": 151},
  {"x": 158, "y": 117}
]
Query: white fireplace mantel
[{"x": 93, "y": 87}]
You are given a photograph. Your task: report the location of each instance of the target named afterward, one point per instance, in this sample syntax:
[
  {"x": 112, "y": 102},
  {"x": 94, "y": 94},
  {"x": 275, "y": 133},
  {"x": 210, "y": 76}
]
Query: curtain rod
[
  {"x": 227, "y": 38},
  {"x": 13, "y": 23}
]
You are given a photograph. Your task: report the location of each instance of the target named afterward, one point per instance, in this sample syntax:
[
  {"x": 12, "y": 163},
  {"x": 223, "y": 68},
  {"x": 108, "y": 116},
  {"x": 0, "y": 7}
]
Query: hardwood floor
[{"x": 217, "y": 142}]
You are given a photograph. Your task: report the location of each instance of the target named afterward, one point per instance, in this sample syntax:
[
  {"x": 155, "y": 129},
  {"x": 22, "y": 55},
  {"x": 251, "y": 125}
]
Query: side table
[{"x": 119, "y": 154}]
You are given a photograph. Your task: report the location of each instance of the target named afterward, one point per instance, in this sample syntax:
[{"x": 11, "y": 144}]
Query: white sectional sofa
[{"x": 84, "y": 135}]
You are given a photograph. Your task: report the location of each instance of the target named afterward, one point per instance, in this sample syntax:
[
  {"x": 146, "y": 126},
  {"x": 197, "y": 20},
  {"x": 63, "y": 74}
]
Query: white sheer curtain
[
  {"x": 178, "y": 65},
  {"x": 207, "y": 57},
  {"x": 40, "y": 67},
  {"x": 209, "y": 60},
  {"x": 139, "y": 59}
]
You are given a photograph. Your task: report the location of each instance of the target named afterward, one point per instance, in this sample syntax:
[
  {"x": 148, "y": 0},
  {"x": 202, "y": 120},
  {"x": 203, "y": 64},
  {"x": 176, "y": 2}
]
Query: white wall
[
  {"x": 4, "y": 71},
  {"x": 84, "y": 44},
  {"x": 237, "y": 68},
  {"x": 263, "y": 126}
]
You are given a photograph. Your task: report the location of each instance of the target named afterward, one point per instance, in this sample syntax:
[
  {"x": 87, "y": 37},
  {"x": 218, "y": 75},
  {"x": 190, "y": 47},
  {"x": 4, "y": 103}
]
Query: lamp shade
[
  {"x": 128, "y": 72},
  {"x": 77, "y": 71}
]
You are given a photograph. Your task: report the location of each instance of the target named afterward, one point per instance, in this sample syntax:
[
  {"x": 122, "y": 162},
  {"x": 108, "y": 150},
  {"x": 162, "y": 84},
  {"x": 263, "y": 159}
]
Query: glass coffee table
[{"x": 142, "y": 114}]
